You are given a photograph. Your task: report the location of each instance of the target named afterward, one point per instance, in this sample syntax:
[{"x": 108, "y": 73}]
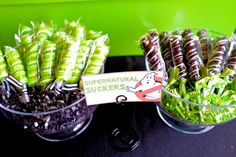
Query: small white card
[{"x": 135, "y": 86}]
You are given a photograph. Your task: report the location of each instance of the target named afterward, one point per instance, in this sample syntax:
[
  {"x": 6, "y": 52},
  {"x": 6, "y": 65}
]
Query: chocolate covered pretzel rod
[
  {"x": 191, "y": 52},
  {"x": 165, "y": 48},
  {"x": 216, "y": 59},
  {"x": 231, "y": 64},
  {"x": 177, "y": 55},
  {"x": 150, "y": 44},
  {"x": 203, "y": 38}
]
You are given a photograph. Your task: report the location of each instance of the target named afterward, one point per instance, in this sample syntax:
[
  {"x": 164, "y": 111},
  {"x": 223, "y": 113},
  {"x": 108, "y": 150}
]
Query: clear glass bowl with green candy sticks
[
  {"x": 40, "y": 82},
  {"x": 56, "y": 125},
  {"x": 195, "y": 107}
]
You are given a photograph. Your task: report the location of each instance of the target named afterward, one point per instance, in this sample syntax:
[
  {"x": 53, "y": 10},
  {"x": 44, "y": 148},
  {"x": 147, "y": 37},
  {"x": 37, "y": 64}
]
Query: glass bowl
[
  {"x": 56, "y": 125},
  {"x": 190, "y": 117}
]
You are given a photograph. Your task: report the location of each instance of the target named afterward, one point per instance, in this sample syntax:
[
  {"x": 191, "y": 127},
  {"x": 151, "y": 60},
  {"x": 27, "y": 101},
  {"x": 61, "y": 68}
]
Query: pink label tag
[{"x": 136, "y": 86}]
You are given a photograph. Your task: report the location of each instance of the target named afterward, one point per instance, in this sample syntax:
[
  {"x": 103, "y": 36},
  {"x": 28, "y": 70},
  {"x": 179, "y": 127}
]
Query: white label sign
[{"x": 132, "y": 86}]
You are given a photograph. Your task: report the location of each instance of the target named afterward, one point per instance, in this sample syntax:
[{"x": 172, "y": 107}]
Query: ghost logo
[{"x": 148, "y": 88}]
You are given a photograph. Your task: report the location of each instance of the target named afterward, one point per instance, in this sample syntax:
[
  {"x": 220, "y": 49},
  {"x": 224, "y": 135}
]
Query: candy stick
[
  {"x": 166, "y": 52},
  {"x": 216, "y": 61},
  {"x": 97, "y": 50},
  {"x": 3, "y": 67},
  {"x": 216, "y": 58},
  {"x": 42, "y": 33},
  {"x": 81, "y": 61},
  {"x": 191, "y": 52},
  {"x": 97, "y": 56},
  {"x": 67, "y": 60},
  {"x": 151, "y": 51},
  {"x": 230, "y": 65},
  {"x": 23, "y": 39},
  {"x": 231, "y": 62},
  {"x": 60, "y": 39},
  {"x": 69, "y": 52},
  {"x": 47, "y": 63},
  {"x": 16, "y": 69},
  {"x": 177, "y": 55},
  {"x": 4, "y": 74},
  {"x": 78, "y": 32},
  {"x": 178, "y": 60},
  {"x": 150, "y": 45},
  {"x": 15, "y": 64},
  {"x": 204, "y": 41},
  {"x": 32, "y": 64}
]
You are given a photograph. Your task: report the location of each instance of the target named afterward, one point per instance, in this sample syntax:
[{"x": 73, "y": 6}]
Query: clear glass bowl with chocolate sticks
[
  {"x": 200, "y": 87},
  {"x": 40, "y": 78}
]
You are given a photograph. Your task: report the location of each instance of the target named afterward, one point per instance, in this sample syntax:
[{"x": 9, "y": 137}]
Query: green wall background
[{"x": 124, "y": 20}]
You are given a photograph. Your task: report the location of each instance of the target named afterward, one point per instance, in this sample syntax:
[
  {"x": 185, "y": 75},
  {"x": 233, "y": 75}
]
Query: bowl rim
[
  {"x": 41, "y": 113},
  {"x": 162, "y": 109},
  {"x": 177, "y": 97}
]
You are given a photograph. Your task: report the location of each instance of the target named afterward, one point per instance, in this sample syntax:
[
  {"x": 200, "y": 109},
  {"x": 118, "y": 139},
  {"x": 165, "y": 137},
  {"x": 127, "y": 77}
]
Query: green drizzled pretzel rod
[
  {"x": 97, "y": 58},
  {"x": 3, "y": 67},
  {"x": 28, "y": 49},
  {"x": 47, "y": 63},
  {"x": 67, "y": 61},
  {"x": 23, "y": 39},
  {"x": 16, "y": 70},
  {"x": 4, "y": 74},
  {"x": 32, "y": 65},
  {"x": 15, "y": 64},
  {"x": 68, "y": 52},
  {"x": 42, "y": 32},
  {"x": 59, "y": 38},
  {"x": 77, "y": 32},
  {"x": 81, "y": 61}
]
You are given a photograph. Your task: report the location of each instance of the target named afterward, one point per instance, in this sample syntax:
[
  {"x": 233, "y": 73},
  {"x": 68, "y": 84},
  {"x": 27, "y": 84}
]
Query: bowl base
[
  {"x": 180, "y": 126},
  {"x": 72, "y": 133}
]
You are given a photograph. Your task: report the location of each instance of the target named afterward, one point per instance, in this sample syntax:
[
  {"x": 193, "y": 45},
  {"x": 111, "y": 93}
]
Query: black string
[
  {"x": 123, "y": 138},
  {"x": 120, "y": 99}
]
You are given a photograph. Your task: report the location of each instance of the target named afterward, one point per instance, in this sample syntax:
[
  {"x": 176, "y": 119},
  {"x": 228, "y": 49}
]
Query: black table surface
[{"x": 156, "y": 138}]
